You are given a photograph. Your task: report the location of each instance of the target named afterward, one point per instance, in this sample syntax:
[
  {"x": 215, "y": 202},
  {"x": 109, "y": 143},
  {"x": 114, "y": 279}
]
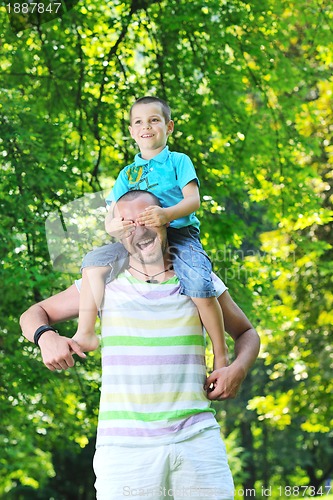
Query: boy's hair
[{"x": 166, "y": 111}]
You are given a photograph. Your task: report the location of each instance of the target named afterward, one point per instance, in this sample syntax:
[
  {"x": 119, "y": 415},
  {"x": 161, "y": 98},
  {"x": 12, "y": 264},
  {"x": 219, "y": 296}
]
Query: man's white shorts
[{"x": 194, "y": 468}]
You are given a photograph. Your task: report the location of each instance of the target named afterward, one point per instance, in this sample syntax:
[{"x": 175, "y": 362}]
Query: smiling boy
[{"x": 171, "y": 177}]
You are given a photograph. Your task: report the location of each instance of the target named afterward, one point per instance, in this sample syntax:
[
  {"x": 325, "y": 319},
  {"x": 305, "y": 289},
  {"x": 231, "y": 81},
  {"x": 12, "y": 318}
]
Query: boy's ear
[
  {"x": 171, "y": 126},
  {"x": 130, "y": 130}
]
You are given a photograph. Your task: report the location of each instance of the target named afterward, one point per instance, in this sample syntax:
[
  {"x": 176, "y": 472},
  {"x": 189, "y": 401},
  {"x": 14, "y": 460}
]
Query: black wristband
[{"x": 42, "y": 329}]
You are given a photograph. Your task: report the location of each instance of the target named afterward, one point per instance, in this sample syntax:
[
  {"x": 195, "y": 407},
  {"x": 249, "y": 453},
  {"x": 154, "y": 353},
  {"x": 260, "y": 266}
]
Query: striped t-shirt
[{"x": 153, "y": 359}]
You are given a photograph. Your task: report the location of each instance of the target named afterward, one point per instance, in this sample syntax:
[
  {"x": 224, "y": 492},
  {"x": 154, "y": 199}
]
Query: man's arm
[
  {"x": 57, "y": 351},
  {"x": 225, "y": 382}
]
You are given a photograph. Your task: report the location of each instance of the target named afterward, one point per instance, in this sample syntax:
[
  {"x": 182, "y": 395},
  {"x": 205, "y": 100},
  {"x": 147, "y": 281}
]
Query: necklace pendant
[{"x": 152, "y": 281}]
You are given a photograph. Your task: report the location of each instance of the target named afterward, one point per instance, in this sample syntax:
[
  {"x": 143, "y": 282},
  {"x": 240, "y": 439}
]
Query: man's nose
[{"x": 138, "y": 228}]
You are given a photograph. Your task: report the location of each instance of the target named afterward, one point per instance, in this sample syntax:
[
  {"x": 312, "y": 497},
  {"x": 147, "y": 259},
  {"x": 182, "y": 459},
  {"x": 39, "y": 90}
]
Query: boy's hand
[
  {"x": 153, "y": 216},
  {"x": 119, "y": 228}
]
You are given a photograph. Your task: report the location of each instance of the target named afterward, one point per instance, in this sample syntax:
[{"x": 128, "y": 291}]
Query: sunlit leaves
[
  {"x": 273, "y": 409},
  {"x": 250, "y": 87}
]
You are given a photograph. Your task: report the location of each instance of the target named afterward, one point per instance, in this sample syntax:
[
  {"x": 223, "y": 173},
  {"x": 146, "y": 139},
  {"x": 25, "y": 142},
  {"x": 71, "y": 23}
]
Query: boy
[{"x": 172, "y": 178}]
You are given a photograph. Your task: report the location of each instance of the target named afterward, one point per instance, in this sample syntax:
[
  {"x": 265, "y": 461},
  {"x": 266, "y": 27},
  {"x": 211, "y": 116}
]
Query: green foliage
[{"x": 250, "y": 87}]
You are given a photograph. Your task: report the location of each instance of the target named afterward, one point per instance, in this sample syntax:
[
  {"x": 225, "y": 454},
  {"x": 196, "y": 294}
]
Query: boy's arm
[
  {"x": 189, "y": 204},
  {"x": 157, "y": 216},
  {"x": 57, "y": 351}
]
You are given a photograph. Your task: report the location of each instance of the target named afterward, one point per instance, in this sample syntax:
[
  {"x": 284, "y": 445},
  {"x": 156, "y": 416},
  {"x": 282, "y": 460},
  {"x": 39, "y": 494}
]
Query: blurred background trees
[{"x": 250, "y": 85}]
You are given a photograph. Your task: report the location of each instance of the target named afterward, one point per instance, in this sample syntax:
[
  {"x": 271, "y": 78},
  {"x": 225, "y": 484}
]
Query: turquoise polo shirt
[{"x": 165, "y": 176}]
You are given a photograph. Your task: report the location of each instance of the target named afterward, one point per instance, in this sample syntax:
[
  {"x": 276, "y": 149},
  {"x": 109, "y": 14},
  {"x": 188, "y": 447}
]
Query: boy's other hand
[{"x": 119, "y": 228}]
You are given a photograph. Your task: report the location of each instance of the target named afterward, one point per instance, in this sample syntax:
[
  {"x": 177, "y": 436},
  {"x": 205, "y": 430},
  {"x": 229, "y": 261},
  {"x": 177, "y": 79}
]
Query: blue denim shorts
[
  {"x": 113, "y": 255},
  {"x": 191, "y": 263}
]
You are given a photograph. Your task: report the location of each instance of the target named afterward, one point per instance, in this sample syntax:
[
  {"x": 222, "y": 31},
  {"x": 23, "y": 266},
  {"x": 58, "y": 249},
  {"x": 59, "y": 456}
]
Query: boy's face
[{"x": 149, "y": 129}]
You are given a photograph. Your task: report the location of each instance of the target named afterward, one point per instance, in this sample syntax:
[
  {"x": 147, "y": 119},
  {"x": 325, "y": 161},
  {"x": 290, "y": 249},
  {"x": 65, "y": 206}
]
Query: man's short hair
[
  {"x": 166, "y": 111},
  {"x": 136, "y": 193}
]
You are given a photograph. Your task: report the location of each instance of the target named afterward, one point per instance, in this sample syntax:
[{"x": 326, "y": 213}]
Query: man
[{"x": 157, "y": 435}]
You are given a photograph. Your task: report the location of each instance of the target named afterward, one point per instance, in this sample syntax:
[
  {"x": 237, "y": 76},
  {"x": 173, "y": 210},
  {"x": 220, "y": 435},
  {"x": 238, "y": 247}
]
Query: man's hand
[
  {"x": 119, "y": 228},
  {"x": 224, "y": 383},
  {"x": 153, "y": 216},
  {"x": 57, "y": 351}
]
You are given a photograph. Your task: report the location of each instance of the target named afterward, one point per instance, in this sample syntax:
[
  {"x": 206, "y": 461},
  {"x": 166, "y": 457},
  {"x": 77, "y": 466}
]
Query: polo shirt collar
[{"x": 160, "y": 158}]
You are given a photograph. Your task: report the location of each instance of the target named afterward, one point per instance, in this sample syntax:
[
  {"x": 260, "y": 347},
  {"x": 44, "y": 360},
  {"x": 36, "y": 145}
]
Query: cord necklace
[{"x": 150, "y": 276}]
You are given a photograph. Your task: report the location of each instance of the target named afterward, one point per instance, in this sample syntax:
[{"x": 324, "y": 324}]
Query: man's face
[{"x": 145, "y": 244}]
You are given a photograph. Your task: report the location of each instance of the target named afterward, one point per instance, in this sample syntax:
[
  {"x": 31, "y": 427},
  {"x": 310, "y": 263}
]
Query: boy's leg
[
  {"x": 99, "y": 267},
  {"x": 193, "y": 268},
  {"x": 91, "y": 296},
  {"x": 114, "y": 256}
]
